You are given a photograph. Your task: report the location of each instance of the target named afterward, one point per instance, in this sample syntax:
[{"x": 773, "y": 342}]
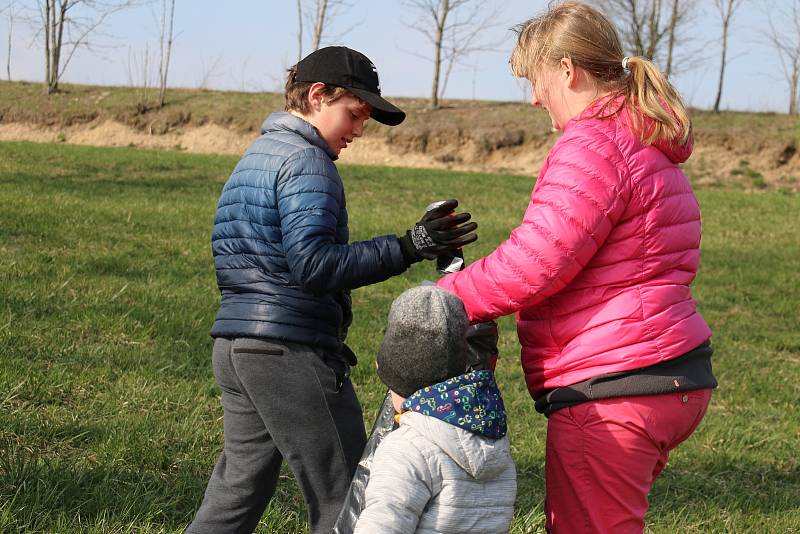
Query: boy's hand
[{"x": 438, "y": 232}]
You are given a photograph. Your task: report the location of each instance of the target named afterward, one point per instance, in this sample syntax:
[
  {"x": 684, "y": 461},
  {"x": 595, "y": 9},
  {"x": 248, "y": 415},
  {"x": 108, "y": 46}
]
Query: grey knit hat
[{"x": 425, "y": 341}]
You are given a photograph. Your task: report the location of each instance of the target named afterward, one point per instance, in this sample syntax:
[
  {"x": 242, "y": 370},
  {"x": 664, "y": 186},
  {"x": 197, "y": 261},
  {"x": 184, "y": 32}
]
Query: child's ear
[{"x": 315, "y": 96}]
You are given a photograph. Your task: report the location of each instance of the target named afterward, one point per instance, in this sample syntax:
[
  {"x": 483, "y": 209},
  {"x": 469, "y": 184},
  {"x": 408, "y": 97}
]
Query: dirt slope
[{"x": 742, "y": 150}]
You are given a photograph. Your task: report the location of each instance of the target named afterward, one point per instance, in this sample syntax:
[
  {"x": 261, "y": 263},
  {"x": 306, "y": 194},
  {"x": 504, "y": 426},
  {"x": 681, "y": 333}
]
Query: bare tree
[
  {"x": 165, "y": 47},
  {"x": 208, "y": 71},
  {"x": 319, "y": 15},
  {"x": 10, "y": 9},
  {"x": 319, "y": 22},
  {"x": 452, "y": 27},
  {"x": 786, "y": 41},
  {"x": 726, "y": 9},
  {"x": 650, "y": 28},
  {"x": 68, "y": 25},
  {"x": 673, "y": 22},
  {"x": 139, "y": 72},
  {"x": 8, "y": 50},
  {"x": 640, "y": 23},
  {"x": 299, "y": 30}
]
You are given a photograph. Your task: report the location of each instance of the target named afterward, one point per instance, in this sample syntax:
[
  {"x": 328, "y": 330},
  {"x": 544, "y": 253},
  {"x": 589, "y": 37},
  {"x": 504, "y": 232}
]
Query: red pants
[{"x": 603, "y": 457}]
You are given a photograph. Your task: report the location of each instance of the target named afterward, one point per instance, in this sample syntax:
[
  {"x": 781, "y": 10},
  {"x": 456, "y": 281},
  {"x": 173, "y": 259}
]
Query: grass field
[{"x": 109, "y": 415}]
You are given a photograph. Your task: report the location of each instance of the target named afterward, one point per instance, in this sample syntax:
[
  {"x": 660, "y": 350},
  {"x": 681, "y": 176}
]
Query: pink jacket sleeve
[{"x": 579, "y": 197}]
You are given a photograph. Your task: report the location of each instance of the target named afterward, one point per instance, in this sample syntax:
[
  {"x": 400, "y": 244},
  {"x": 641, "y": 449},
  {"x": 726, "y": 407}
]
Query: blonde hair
[
  {"x": 581, "y": 33},
  {"x": 296, "y": 93}
]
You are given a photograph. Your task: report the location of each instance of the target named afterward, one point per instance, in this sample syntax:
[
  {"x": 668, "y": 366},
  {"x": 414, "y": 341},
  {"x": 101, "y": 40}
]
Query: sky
[{"x": 247, "y": 45}]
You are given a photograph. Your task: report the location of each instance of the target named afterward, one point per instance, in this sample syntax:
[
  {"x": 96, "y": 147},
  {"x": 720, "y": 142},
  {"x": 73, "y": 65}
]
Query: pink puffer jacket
[{"x": 599, "y": 270}]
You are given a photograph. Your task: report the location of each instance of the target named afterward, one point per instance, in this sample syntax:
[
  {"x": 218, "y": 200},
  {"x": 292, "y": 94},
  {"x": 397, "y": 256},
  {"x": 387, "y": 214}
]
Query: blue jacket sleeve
[{"x": 310, "y": 199}]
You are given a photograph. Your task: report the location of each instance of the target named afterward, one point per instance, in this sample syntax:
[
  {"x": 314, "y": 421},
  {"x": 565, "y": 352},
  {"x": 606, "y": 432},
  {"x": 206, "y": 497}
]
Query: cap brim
[{"x": 383, "y": 111}]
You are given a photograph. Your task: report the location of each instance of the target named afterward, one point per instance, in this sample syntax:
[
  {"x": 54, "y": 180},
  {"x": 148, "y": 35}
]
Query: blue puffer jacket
[{"x": 284, "y": 268}]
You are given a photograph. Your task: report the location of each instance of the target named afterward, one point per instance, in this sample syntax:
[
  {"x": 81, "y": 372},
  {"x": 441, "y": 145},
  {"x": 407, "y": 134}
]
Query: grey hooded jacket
[
  {"x": 280, "y": 242},
  {"x": 429, "y": 476}
]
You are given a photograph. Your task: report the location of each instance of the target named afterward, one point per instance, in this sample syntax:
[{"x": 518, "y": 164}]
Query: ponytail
[{"x": 649, "y": 95}]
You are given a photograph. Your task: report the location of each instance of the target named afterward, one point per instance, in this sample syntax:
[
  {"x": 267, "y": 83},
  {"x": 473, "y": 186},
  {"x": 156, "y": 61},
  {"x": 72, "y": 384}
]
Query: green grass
[{"x": 109, "y": 415}]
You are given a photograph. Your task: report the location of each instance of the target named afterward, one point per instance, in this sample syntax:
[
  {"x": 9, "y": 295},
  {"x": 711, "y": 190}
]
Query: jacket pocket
[{"x": 248, "y": 345}]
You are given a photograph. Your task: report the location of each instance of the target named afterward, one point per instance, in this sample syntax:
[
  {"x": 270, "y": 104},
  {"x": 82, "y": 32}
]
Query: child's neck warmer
[{"x": 470, "y": 401}]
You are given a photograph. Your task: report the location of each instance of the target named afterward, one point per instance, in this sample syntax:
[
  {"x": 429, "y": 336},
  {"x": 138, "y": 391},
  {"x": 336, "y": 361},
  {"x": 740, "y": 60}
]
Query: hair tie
[{"x": 625, "y": 62}]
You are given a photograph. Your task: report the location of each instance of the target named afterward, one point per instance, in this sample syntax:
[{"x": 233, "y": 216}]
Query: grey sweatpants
[{"x": 280, "y": 400}]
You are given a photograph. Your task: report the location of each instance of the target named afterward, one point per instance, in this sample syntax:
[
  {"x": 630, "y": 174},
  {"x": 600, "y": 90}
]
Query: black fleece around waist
[{"x": 687, "y": 372}]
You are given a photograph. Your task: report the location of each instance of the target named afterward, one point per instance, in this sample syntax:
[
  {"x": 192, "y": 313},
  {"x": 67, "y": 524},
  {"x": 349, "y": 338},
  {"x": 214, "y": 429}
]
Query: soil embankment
[{"x": 733, "y": 149}]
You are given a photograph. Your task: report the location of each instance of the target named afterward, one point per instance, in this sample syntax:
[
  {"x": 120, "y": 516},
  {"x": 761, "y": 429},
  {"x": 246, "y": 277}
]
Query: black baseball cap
[{"x": 345, "y": 67}]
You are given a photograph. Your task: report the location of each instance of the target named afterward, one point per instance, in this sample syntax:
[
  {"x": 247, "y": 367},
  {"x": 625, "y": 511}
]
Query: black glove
[{"x": 438, "y": 232}]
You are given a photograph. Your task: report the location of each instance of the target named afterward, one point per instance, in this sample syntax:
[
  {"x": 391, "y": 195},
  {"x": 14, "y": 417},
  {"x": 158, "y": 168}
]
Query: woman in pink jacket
[{"x": 613, "y": 349}]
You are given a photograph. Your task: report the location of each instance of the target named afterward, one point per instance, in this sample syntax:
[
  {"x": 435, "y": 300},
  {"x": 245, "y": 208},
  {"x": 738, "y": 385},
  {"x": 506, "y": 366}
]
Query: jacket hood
[
  {"x": 673, "y": 149},
  {"x": 471, "y": 401},
  {"x": 676, "y": 152},
  {"x": 483, "y": 458},
  {"x": 282, "y": 120},
  {"x": 465, "y": 417}
]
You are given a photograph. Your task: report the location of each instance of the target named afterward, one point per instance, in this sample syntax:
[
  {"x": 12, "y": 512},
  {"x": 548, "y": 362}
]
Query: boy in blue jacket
[{"x": 285, "y": 270}]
